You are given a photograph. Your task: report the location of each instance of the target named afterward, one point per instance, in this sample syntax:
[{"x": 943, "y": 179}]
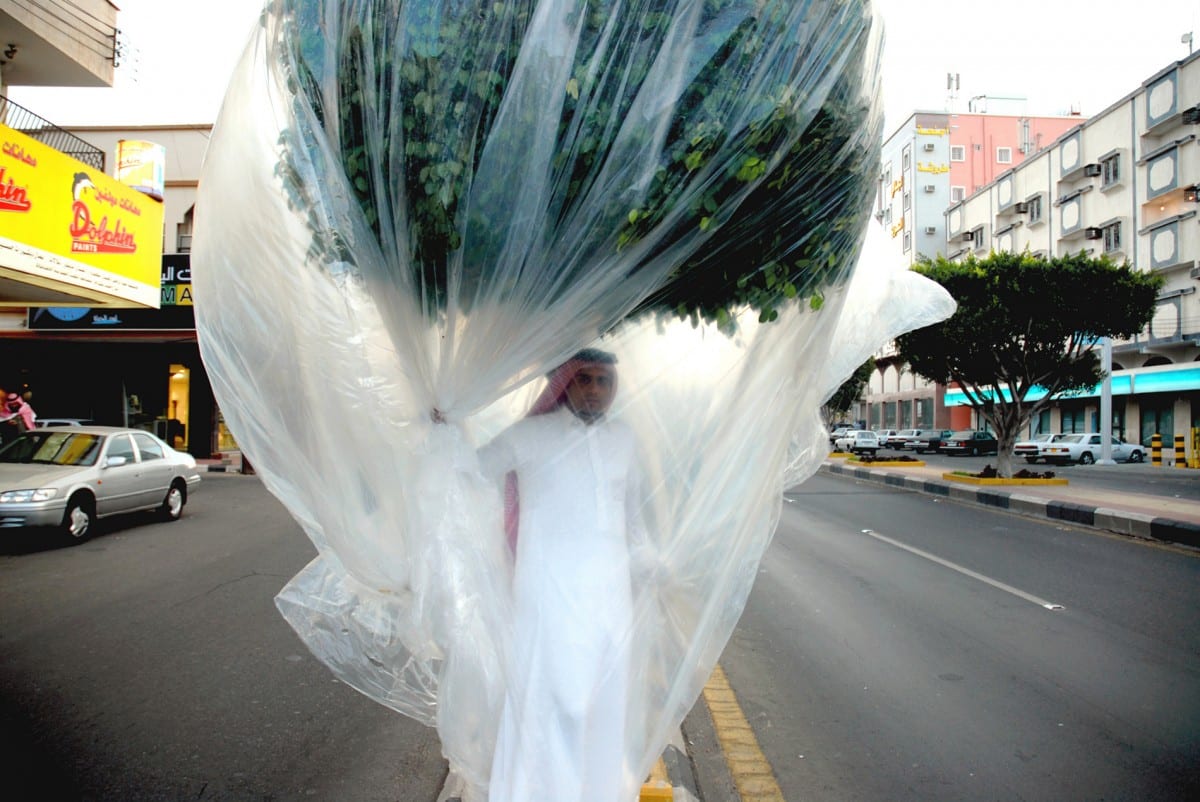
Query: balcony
[{"x": 31, "y": 125}]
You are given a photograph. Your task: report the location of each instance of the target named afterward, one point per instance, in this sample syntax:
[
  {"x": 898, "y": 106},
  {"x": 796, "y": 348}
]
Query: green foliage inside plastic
[{"x": 411, "y": 92}]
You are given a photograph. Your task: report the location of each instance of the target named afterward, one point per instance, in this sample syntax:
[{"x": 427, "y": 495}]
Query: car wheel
[
  {"x": 1135, "y": 456},
  {"x": 79, "y": 519},
  {"x": 1031, "y": 460},
  {"x": 1086, "y": 458},
  {"x": 974, "y": 451},
  {"x": 172, "y": 506}
]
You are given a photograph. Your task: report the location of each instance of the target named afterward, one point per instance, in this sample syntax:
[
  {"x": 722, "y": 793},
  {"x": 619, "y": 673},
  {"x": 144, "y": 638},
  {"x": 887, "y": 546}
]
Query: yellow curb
[
  {"x": 748, "y": 766},
  {"x": 839, "y": 454},
  {"x": 879, "y": 463},
  {"x": 658, "y": 786},
  {"x": 978, "y": 480}
]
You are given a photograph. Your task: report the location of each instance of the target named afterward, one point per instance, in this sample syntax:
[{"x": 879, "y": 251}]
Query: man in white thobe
[{"x": 562, "y": 731}]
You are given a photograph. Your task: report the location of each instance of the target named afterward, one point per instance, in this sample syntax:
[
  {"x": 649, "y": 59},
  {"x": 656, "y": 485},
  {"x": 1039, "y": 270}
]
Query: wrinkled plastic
[{"x": 369, "y": 317}]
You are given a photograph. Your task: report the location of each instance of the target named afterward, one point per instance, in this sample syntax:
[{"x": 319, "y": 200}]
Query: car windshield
[
  {"x": 964, "y": 435},
  {"x": 53, "y": 447},
  {"x": 1072, "y": 438}
]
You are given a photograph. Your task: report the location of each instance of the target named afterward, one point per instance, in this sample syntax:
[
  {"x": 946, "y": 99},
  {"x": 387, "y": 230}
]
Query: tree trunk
[{"x": 1004, "y": 447}]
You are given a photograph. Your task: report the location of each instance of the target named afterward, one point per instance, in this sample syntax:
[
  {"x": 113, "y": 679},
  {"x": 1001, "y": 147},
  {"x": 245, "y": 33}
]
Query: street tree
[
  {"x": 1025, "y": 331},
  {"x": 850, "y": 391}
]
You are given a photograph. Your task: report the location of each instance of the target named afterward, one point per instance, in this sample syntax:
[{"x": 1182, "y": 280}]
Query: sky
[{"x": 1056, "y": 54}]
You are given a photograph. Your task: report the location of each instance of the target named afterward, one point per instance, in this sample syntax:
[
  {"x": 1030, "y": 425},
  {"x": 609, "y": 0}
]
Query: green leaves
[
  {"x": 1023, "y": 322},
  {"x": 759, "y": 190}
]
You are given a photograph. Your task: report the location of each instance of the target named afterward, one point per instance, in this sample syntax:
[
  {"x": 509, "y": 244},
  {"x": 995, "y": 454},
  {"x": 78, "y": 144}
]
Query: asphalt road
[
  {"x": 151, "y": 664},
  {"x": 870, "y": 672}
]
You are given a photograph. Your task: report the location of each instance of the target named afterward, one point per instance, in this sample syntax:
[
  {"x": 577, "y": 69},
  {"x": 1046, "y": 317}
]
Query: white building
[{"x": 1123, "y": 183}]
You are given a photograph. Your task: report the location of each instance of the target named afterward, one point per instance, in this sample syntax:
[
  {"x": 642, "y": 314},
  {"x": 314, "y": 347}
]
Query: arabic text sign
[{"x": 73, "y": 224}]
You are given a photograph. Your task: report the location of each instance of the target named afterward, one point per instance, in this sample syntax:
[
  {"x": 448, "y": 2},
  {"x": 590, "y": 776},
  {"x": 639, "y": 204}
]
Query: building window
[
  {"x": 1112, "y": 236},
  {"x": 907, "y": 158},
  {"x": 887, "y": 215},
  {"x": 887, "y": 178},
  {"x": 183, "y": 233},
  {"x": 1004, "y": 155},
  {"x": 907, "y": 200},
  {"x": 907, "y": 240},
  {"x": 1035, "y": 209},
  {"x": 977, "y": 239},
  {"x": 957, "y": 194},
  {"x": 1110, "y": 170},
  {"x": 958, "y": 153}
]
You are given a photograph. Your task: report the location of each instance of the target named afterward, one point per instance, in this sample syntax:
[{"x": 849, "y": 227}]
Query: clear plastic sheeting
[{"x": 411, "y": 212}]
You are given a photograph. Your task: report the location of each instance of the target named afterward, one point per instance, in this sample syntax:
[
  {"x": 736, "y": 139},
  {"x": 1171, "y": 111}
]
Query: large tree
[{"x": 1026, "y": 324}]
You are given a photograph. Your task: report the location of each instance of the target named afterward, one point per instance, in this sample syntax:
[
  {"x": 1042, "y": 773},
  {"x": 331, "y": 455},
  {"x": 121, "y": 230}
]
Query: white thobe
[{"x": 562, "y": 731}]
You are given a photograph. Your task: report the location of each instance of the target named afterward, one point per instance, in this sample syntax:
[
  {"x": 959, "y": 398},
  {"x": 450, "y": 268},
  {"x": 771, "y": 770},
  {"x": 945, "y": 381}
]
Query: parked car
[
  {"x": 68, "y": 477},
  {"x": 857, "y": 441},
  {"x": 885, "y": 436},
  {"x": 1085, "y": 449},
  {"x": 901, "y": 438},
  {"x": 838, "y": 430},
  {"x": 1031, "y": 449},
  {"x": 927, "y": 440},
  {"x": 970, "y": 442}
]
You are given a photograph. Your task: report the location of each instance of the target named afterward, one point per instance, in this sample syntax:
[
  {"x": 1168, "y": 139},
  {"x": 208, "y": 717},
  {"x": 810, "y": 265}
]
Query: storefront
[{"x": 121, "y": 367}]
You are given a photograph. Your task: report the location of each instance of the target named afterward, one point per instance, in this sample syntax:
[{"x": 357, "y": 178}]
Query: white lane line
[{"x": 987, "y": 580}]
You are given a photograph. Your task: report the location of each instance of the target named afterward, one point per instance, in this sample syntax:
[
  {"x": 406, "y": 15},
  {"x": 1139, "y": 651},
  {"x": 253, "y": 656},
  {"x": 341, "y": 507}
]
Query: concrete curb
[{"x": 1124, "y": 522}]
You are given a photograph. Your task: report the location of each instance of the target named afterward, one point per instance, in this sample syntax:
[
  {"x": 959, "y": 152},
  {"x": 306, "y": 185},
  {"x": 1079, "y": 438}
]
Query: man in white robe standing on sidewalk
[{"x": 574, "y": 471}]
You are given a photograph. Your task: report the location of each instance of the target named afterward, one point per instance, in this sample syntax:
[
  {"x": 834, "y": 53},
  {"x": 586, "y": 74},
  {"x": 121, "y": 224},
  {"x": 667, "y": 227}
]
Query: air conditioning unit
[
  {"x": 1191, "y": 116},
  {"x": 1093, "y": 233},
  {"x": 1020, "y": 207},
  {"x": 929, "y": 147},
  {"x": 930, "y": 229},
  {"x": 968, "y": 236},
  {"x": 1092, "y": 169},
  {"x": 931, "y": 188}
]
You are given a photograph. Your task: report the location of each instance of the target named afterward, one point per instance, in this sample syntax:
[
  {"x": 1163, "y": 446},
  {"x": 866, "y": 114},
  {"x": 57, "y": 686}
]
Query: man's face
[{"x": 591, "y": 392}]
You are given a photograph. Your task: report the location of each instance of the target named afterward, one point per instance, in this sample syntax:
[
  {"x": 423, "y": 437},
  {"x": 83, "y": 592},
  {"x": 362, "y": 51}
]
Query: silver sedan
[{"x": 69, "y": 477}]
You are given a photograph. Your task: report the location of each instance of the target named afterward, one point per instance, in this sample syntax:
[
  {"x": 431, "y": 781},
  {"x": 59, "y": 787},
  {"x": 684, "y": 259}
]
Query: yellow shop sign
[{"x": 68, "y": 228}]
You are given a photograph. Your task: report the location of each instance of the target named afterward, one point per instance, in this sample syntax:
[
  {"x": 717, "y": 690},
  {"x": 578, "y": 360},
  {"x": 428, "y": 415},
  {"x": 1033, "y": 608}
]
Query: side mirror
[{"x": 113, "y": 462}]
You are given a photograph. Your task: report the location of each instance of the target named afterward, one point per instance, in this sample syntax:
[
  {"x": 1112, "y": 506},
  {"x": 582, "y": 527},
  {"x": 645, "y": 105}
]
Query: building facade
[
  {"x": 127, "y": 366},
  {"x": 82, "y": 332},
  {"x": 1122, "y": 184},
  {"x": 933, "y": 160}
]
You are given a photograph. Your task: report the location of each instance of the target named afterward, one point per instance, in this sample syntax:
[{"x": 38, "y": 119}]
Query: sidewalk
[{"x": 1153, "y": 517}]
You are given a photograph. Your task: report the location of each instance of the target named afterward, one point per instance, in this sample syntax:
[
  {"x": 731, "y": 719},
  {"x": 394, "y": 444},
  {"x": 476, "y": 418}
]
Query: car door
[
  {"x": 118, "y": 488},
  {"x": 156, "y": 471}
]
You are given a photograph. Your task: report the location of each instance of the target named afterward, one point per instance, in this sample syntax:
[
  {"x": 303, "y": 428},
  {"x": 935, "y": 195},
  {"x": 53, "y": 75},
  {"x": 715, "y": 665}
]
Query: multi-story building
[
  {"x": 932, "y": 160},
  {"x": 96, "y": 320},
  {"x": 1123, "y": 183}
]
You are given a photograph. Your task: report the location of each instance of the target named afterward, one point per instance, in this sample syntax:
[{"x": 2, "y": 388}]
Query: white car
[
  {"x": 1085, "y": 449},
  {"x": 838, "y": 431},
  {"x": 887, "y": 437},
  {"x": 857, "y": 441},
  {"x": 1031, "y": 449},
  {"x": 67, "y": 477}
]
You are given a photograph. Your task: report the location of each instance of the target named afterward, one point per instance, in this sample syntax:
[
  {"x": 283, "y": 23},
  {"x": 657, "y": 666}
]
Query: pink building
[{"x": 982, "y": 146}]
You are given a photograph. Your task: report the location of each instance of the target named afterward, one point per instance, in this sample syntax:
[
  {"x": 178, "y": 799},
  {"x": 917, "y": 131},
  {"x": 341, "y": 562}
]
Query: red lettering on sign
[
  {"x": 13, "y": 197},
  {"x": 98, "y": 237}
]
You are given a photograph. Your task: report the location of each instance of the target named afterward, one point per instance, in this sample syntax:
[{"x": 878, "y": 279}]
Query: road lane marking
[
  {"x": 987, "y": 580},
  {"x": 748, "y": 766}
]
